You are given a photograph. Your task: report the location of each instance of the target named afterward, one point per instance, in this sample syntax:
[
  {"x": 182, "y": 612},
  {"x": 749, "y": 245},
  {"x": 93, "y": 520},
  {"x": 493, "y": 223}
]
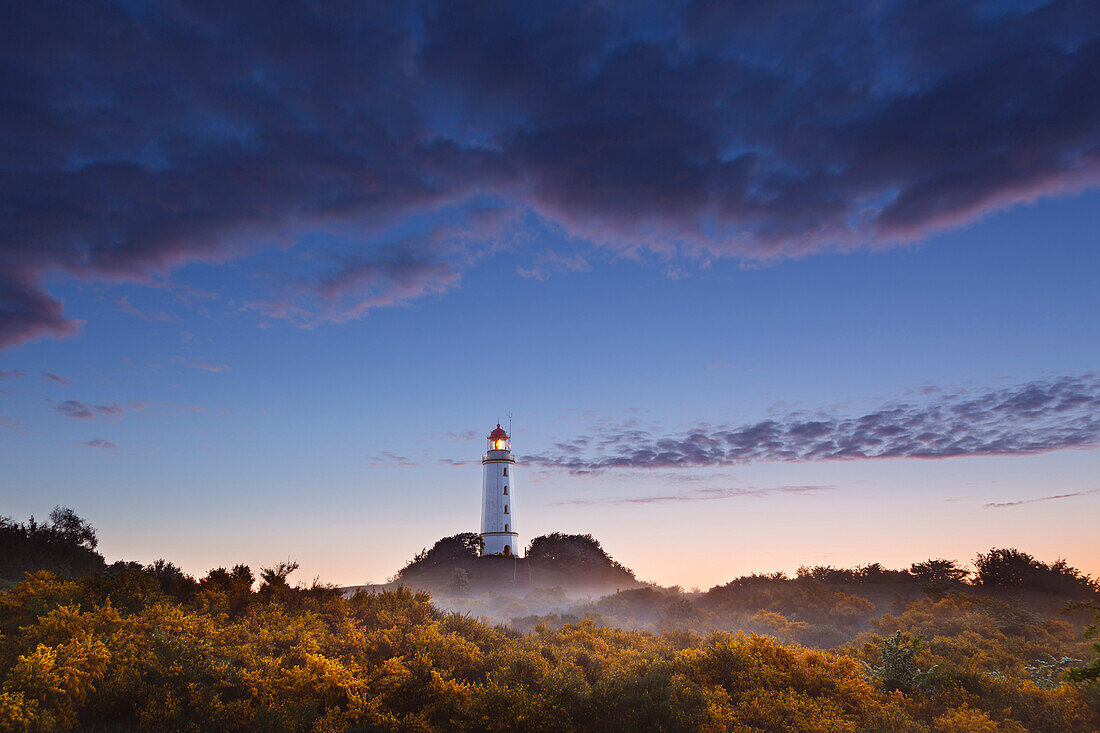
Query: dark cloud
[
  {"x": 1035, "y": 417},
  {"x": 102, "y": 443},
  {"x": 27, "y": 312},
  {"x": 51, "y": 377},
  {"x": 11, "y": 373},
  {"x": 81, "y": 411},
  {"x": 136, "y": 137},
  {"x": 698, "y": 495},
  {"x": 1002, "y": 504}
]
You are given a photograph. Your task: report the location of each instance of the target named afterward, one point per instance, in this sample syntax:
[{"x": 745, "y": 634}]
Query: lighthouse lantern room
[{"x": 498, "y": 509}]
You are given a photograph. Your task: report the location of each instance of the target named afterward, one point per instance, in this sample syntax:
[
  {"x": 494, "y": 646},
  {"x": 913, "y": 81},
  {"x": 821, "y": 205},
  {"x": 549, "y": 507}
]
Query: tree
[
  {"x": 72, "y": 529},
  {"x": 938, "y": 576},
  {"x": 571, "y": 551},
  {"x": 173, "y": 581},
  {"x": 462, "y": 547},
  {"x": 459, "y": 584},
  {"x": 276, "y": 576},
  {"x": 1006, "y": 567},
  {"x": 1011, "y": 568},
  {"x": 229, "y": 591},
  {"x": 65, "y": 545}
]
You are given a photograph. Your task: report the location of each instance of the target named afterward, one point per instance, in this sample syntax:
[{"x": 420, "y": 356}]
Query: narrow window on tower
[
  {"x": 506, "y": 528},
  {"x": 505, "y": 470},
  {"x": 506, "y": 491},
  {"x": 505, "y": 508}
]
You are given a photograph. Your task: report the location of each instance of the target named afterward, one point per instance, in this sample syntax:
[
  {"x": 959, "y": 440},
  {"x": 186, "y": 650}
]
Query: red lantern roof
[{"x": 498, "y": 434}]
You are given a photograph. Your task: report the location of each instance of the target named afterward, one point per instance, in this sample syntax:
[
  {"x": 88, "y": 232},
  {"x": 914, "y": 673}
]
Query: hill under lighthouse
[{"x": 498, "y": 511}]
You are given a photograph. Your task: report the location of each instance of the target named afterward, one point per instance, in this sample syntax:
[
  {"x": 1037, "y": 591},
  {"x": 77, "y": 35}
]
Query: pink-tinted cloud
[
  {"x": 11, "y": 374},
  {"x": 27, "y": 312},
  {"x": 51, "y": 377},
  {"x": 1020, "y": 502}
]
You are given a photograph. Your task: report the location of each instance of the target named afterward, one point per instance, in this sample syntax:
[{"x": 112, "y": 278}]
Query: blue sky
[
  {"x": 793, "y": 285},
  {"x": 329, "y": 442}
]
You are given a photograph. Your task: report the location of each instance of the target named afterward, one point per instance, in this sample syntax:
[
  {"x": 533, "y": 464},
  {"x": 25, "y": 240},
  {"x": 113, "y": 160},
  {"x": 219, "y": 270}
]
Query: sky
[{"x": 758, "y": 285}]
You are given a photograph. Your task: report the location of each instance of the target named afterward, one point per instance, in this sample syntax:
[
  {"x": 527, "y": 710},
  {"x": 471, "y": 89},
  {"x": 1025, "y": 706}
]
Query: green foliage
[
  {"x": 898, "y": 668},
  {"x": 1089, "y": 673}
]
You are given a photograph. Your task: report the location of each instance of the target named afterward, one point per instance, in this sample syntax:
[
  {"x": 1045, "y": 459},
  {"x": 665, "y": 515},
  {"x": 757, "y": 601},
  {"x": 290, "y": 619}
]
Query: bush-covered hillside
[{"x": 133, "y": 647}]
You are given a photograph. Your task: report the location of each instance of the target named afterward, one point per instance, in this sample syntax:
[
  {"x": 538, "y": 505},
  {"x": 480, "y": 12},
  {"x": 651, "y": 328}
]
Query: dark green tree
[
  {"x": 938, "y": 576},
  {"x": 65, "y": 545}
]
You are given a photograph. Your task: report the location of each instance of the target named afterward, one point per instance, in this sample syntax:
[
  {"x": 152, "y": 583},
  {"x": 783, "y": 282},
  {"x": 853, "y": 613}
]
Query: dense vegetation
[
  {"x": 64, "y": 545},
  {"x": 574, "y": 562},
  {"x": 568, "y": 552},
  {"x": 150, "y": 648}
]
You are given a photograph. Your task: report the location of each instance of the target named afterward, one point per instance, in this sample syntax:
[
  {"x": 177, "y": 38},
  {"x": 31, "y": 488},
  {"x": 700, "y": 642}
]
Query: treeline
[{"x": 1003, "y": 568}]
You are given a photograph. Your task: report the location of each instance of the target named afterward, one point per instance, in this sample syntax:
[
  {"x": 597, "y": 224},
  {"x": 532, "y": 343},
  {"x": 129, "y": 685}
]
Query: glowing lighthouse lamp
[{"x": 498, "y": 510}]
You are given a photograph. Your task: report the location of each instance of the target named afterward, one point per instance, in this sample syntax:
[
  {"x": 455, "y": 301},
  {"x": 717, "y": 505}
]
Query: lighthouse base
[{"x": 500, "y": 543}]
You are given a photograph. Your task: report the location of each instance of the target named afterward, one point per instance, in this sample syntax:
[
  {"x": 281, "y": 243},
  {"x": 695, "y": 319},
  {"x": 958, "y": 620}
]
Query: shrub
[{"x": 898, "y": 669}]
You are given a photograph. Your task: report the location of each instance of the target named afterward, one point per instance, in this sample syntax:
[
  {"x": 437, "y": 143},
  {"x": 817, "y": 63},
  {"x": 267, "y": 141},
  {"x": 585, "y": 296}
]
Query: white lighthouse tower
[{"x": 498, "y": 512}]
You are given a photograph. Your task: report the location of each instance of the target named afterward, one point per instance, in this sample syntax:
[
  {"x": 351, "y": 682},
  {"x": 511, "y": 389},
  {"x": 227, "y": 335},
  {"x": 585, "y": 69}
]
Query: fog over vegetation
[{"x": 565, "y": 639}]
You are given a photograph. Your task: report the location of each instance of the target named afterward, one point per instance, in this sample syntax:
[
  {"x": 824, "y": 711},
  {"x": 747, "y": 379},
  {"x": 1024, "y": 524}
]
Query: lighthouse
[{"x": 498, "y": 510}]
